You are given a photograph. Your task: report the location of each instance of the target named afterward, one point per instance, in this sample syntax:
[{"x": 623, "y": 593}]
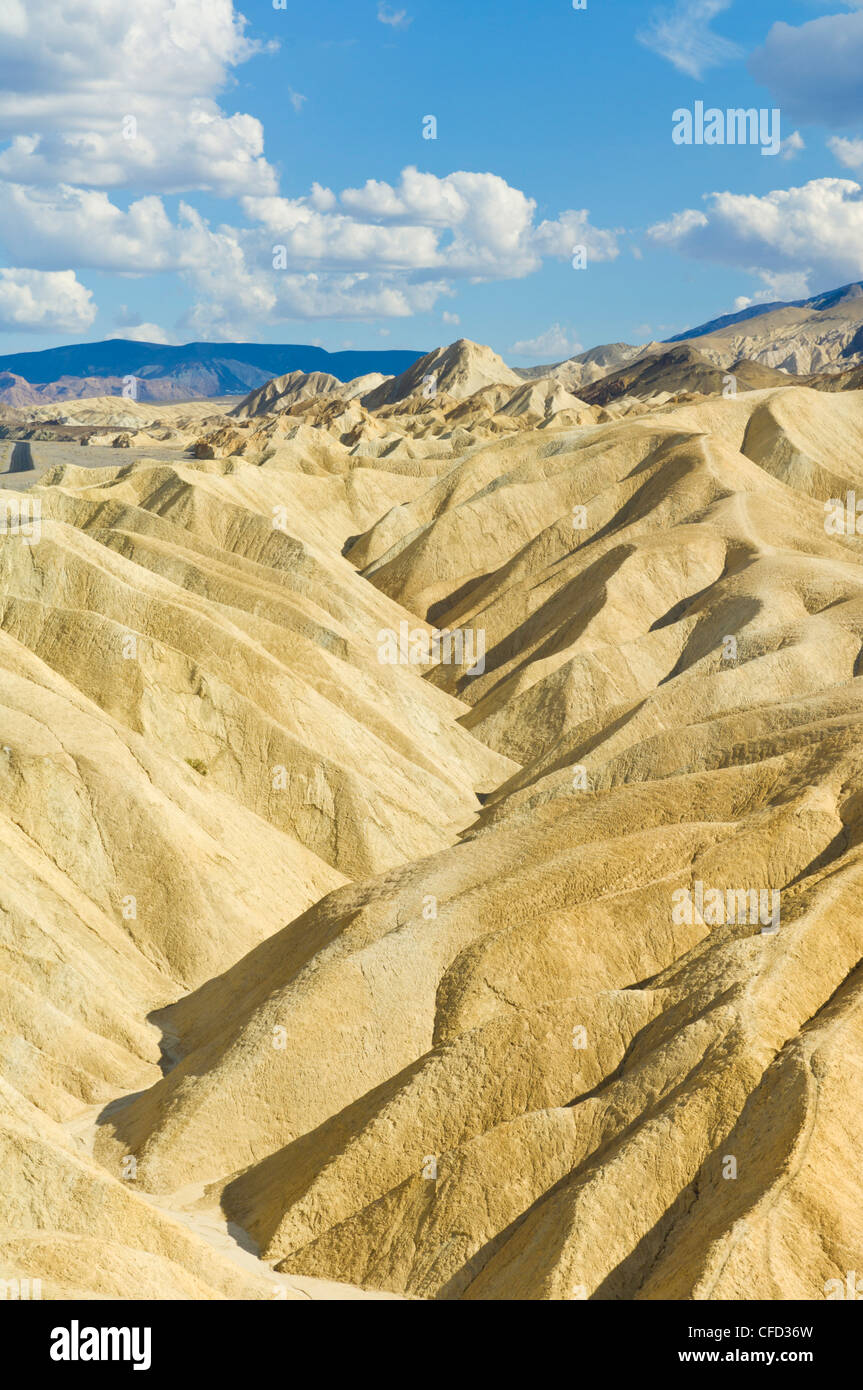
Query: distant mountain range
[
  {"x": 822, "y": 334},
  {"x": 192, "y": 372},
  {"x": 817, "y": 303}
]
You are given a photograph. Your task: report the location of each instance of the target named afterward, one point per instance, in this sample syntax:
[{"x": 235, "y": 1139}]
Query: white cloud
[
  {"x": 322, "y": 199},
  {"x": 98, "y": 95},
  {"x": 382, "y": 250},
  {"x": 142, "y": 333},
  {"x": 50, "y": 301},
  {"x": 779, "y": 286},
  {"x": 560, "y": 238},
  {"x": 816, "y": 229},
  {"x": 493, "y": 233},
  {"x": 102, "y": 95},
  {"x": 676, "y": 231},
  {"x": 48, "y": 228},
  {"x": 683, "y": 36},
  {"x": 397, "y": 19},
  {"x": 335, "y": 239},
  {"x": 235, "y": 300},
  {"x": 554, "y": 342},
  {"x": 452, "y": 319},
  {"x": 110, "y": 94},
  {"x": 848, "y": 152},
  {"x": 336, "y": 269},
  {"x": 814, "y": 69},
  {"x": 792, "y": 146},
  {"x": 13, "y": 19}
]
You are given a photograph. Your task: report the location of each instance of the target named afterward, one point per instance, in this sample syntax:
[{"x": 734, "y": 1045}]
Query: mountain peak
[{"x": 458, "y": 370}]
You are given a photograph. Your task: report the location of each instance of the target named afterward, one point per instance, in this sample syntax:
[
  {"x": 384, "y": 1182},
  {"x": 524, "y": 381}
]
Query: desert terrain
[{"x": 332, "y": 969}]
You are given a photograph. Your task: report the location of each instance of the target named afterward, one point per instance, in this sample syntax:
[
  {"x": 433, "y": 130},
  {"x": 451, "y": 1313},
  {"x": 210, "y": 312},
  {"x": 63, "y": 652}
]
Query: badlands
[{"x": 325, "y": 975}]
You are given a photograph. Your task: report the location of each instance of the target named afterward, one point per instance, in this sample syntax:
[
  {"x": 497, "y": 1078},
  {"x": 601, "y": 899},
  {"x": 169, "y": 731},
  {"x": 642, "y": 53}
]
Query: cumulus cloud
[
  {"x": 814, "y": 230},
  {"x": 377, "y": 251},
  {"x": 99, "y": 95},
  {"x": 848, "y": 152},
  {"x": 554, "y": 342},
  {"x": 472, "y": 224},
  {"x": 683, "y": 36},
  {"x": 336, "y": 239},
  {"x": 230, "y": 309},
  {"x": 813, "y": 69},
  {"x": 109, "y": 95},
  {"x": 677, "y": 230},
  {"x": 50, "y": 227},
  {"x": 50, "y": 301},
  {"x": 779, "y": 287},
  {"x": 380, "y": 250},
  {"x": 393, "y": 250},
  {"x": 561, "y": 237},
  {"x": 142, "y": 333},
  {"x": 792, "y": 146},
  {"x": 465, "y": 224}
]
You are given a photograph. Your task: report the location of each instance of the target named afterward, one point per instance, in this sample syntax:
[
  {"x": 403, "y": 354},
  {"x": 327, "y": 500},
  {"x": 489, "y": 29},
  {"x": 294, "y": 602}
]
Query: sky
[{"x": 361, "y": 174}]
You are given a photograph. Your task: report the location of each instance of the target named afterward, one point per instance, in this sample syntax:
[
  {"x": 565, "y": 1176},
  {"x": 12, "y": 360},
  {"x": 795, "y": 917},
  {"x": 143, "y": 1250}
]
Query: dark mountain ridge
[{"x": 192, "y": 369}]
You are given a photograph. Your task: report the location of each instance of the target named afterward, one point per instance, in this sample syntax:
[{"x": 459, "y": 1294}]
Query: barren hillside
[{"x": 531, "y": 974}]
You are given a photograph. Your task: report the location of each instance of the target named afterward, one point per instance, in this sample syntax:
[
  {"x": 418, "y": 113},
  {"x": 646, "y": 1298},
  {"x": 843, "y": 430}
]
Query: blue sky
[{"x": 155, "y": 157}]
